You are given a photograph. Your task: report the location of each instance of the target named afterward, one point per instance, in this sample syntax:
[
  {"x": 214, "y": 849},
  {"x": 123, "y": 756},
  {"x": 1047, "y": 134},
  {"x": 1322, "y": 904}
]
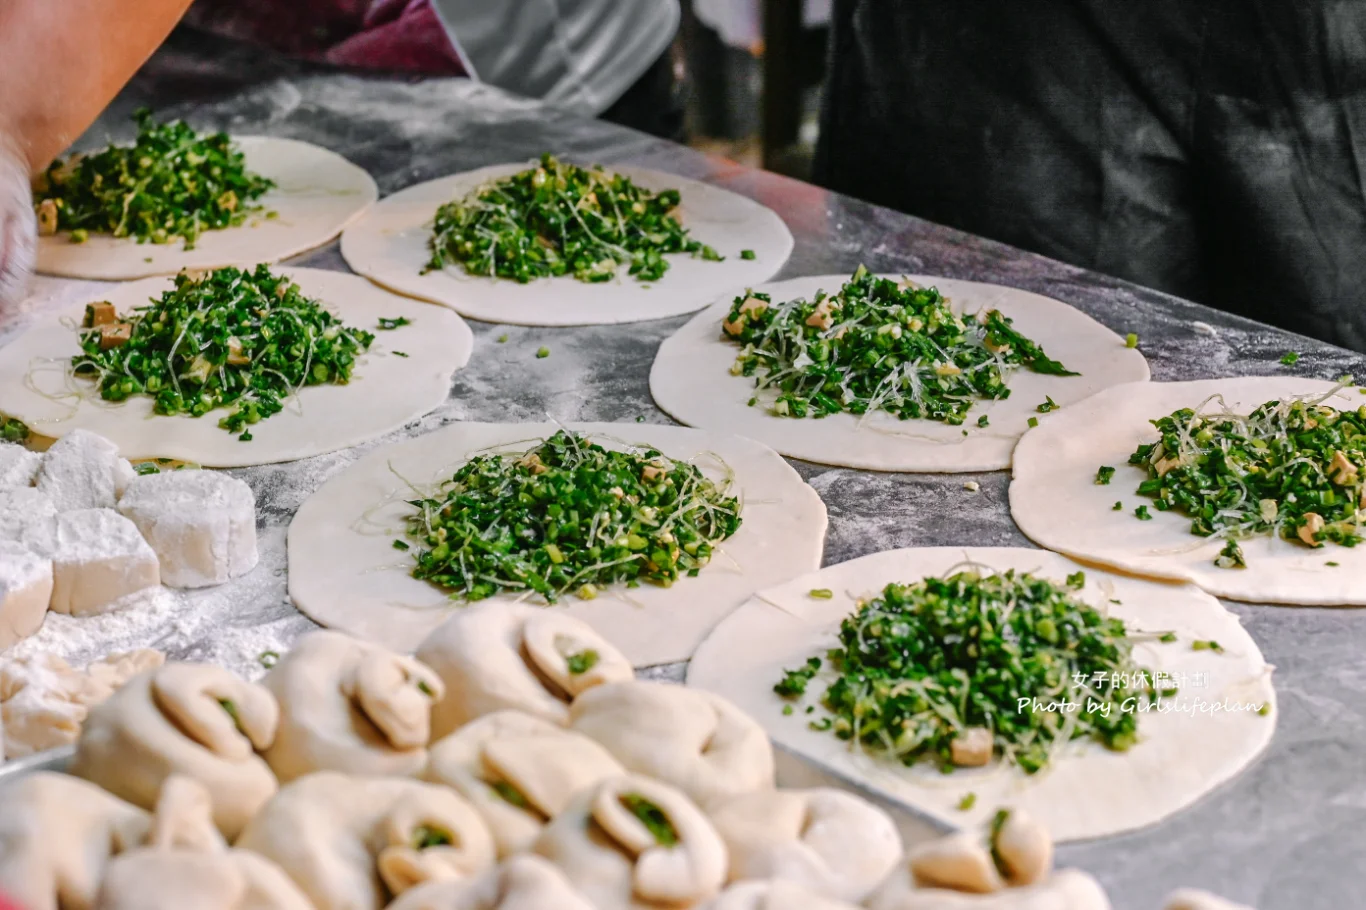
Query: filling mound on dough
[
  {"x": 976, "y": 666},
  {"x": 561, "y": 219},
  {"x": 170, "y": 184},
  {"x": 568, "y": 515},
  {"x": 231, "y": 338},
  {"x": 1293, "y": 468},
  {"x": 874, "y": 345}
]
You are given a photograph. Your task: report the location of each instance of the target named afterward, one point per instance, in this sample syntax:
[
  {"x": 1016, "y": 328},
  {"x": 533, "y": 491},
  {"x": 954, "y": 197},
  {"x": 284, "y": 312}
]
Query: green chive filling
[{"x": 653, "y": 817}]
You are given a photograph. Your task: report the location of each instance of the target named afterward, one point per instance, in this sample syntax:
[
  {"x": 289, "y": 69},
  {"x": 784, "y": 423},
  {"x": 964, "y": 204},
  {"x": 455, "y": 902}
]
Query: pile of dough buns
[
  {"x": 81, "y": 529},
  {"x": 503, "y": 767}
]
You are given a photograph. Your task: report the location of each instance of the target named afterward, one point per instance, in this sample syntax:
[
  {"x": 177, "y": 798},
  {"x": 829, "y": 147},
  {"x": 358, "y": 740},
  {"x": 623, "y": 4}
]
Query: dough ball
[
  {"x": 57, "y": 834},
  {"x": 81, "y": 471},
  {"x": 694, "y": 740},
  {"x": 98, "y": 557},
  {"x": 775, "y": 894},
  {"x": 44, "y": 700},
  {"x": 353, "y": 843},
  {"x": 1195, "y": 899},
  {"x": 826, "y": 840},
  {"x": 201, "y": 525},
  {"x": 347, "y": 705},
  {"x": 25, "y": 592},
  {"x": 518, "y": 771},
  {"x": 632, "y": 843},
  {"x": 18, "y": 466},
  {"x": 1066, "y": 889},
  {"x": 520, "y": 883},
  {"x": 28, "y": 516},
  {"x": 500, "y": 655},
  {"x": 191, "y": 719}
]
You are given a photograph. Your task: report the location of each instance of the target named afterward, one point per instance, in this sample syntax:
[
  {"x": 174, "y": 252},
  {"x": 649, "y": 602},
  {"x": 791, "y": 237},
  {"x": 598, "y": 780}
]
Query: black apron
[{"x": 1214, "y": 149}]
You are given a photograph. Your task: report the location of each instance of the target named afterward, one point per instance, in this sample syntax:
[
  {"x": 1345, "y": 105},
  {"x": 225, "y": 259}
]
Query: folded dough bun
[
  {"x": 518, "y": 771},
  {"x": 829, "y": 841},
  {"x": 607, "y": 850},
  {"x": 347, "y": 705},
  {"x": 519, "y": 883},
  {"x": 57, "y": 835},
  {"x": 774, "y": 894},
  {"x": 502, "y": 655},
  {"x": 191, "y": 719},
  {"x": 353, "y": 843},
  {"x": 697, "y": 741},
  {"x": 1066, "y": 889},
  {"x": 186, "y": 863}
]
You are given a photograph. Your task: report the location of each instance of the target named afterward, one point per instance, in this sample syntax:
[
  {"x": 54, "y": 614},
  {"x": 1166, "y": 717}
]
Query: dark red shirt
[{"x": 393, "y": 35}]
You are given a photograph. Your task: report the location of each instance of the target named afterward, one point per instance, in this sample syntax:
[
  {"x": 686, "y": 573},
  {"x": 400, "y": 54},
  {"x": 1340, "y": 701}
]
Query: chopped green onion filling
[
  {"x": 582, "y": 662},
  {"x": 510, "y": 794},
  {"x": 269, "y": 659},
  {"x": 389, "y": 324},
  {"x": 426, "y": 836},
  {"x": 1104, "y": 475},
  {"x": 1131, "y": 340},
  {"x": 1290, "y": 358},
  {"x": 653, "y": 817},
  {"x": 794, "y": 682},
  {"x": 820, "y": 593},
  {"x": 13, "y": 430}
]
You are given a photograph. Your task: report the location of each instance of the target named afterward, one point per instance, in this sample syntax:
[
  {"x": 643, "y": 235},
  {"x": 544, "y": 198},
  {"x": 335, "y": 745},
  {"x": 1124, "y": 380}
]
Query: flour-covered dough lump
[
  {"x": 27, "y": 516},
  {"x": 201, "y": 525},
  {"x": 83, "y": 470},
  {"x": 25, "y": 590},
  {"x": 18, "y": 466},
  {"x": 98, "y": 557}
]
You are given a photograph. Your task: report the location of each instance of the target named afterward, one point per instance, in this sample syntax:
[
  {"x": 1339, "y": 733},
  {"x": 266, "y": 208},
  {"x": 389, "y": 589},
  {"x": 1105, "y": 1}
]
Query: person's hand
[{"x": 18, "y": 227}]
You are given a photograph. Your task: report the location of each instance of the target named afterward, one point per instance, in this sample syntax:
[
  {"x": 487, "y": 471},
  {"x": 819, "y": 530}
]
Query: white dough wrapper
[
  {"x": 317, "y": 193},
  {"x": 389, "y": 246},
  {"x": 691, "y": 380},
  {"x": 201, "y": 524},
  {"x": 1182, "y": 754},
  {"x": 345, "y": 573},
  {"x": 1057, "y": 503},
  {"x": 385, "y": 391}
]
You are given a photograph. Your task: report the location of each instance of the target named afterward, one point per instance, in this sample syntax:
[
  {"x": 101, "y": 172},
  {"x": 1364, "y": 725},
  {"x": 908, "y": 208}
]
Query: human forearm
[{"x": 62, "y": 61}]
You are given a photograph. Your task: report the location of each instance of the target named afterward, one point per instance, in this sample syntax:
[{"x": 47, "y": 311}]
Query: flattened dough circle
[
  {"x": 1090, "y": 792},
  {"x": 385, "y": 391},
  {"x": 691, "y": 380},
  {"x": 1057, "y": 504},
  {"x": 345, "y": 573},
  {"x": 317, "y": 193},
  {"x": 389, "y": 246}
]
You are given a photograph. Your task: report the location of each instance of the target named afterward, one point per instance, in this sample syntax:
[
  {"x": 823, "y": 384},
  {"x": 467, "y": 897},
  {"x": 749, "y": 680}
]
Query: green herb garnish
[
  {"x": 1290, "y": 358},
  {"x": 425, "y": 836},
  {"x": 1207, "y": 646},
  {"x": 561, "y": 219},
  {"x": 1048, "y": 405},
  {"x": 794, "y": 682},
  {"x": 268, "y": 659},
  {"x": 245, "y": 340},
  {"x": 1142, "y": 514},
  {"x": 653, "y": 817},
  {"x": 1104, "y": 475},
  {"x": 170, "y": 184},
  {"x": 399, "y": 322},
  {"x": 746, "y": 254},
  {"x": 13, "y": 430},
  {"x": 542, "y": 353},
  {"x": 1231, "y": 556},
  {"x": 569, "y": 514},
  {"x": 1117, "y": 507},
  {"x": 510, "y": 794},
  {"x": 922, "y": 664},
  {"x": 1167, "y": 637},
  {"x": 877, "y": 345},
  {"x": 581, "y": 662}
]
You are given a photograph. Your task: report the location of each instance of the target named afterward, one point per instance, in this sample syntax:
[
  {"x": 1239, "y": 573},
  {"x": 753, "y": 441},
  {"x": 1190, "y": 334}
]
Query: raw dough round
[
  {"x": 1089, "y": 792},
  {"x": 317, "y": 194},
  {"x": 385, "y": 391},
  {"x": 389, "y": 246},
  {"x": 691, "y": 380},
  {"x": 345, "y": 573},
  {"x": 1057, "y": 503}
]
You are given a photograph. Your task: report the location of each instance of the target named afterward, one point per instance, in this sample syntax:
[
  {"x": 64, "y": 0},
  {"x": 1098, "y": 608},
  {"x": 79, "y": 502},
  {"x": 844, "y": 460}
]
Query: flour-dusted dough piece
[
  {"x": 28, "y": 516},
  {"x": 607, "y": 853},
  {"x": 385, "y": 392},
  {"x": 191, "y": 719},
  {"x": 347, "y": 705},
  {"x": 520, "y": 883},
  {"x": 1182, "y": 753},
  {"x": 80, "y": 471},
  {"x": 98, "y": 557},
  {"x": 201, "y": 524},
  {"x": 774, "y": 894},
  {"x": 345, "y": 574},
  {"x": 44, "y": 700},
  {"x": 827, "y": 840},
  {"x": 18, "y": 466},
  {"x": 545, "y": 764},
  {"x": 693, "y": 740},
  {"x": 1195, "y": 899},
  {"x": 317, "y": 193},
  {"x": 1057, "y": 503},
  {"x": 496, "y": 656},
  {"x": 389, "y": 246},
  {"x": 57, "y": 834},
  {"x": 691, "y": 380},
  {"x": 1066, "y": 889},
  {"x": 25, "y": 591},
  {"x": 350, "y": 842},
  {"x": 191, "y": 865}
]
